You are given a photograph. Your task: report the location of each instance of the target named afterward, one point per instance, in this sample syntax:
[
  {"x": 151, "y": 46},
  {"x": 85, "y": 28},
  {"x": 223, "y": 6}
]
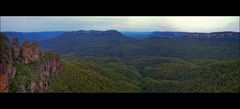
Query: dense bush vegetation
[
  {"x": 122, "y": 64},
  {"x": 24, "y": 75},
  {"x": 147, "y": 74},
  {"x": 149, "y": 65},
  {"x": 91, "y": 75}
]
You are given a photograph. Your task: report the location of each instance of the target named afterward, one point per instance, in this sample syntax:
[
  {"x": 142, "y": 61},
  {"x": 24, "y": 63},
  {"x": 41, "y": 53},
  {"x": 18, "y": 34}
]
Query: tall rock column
[
  {"x": 15, "y": 50},
  {"x": 26, "y": 53},
  {"x": 35, "y": 51}
]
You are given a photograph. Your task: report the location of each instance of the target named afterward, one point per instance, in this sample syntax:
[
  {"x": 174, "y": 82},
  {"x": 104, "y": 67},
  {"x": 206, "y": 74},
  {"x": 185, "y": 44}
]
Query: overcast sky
[{"x": 120, "y": 23}]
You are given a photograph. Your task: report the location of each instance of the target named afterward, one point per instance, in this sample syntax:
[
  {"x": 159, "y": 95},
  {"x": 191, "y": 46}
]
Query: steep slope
[
  {"x": 7, "y": 68},
  {"x": 36, "y": 76},
  {"x": 26, "y": 68}
]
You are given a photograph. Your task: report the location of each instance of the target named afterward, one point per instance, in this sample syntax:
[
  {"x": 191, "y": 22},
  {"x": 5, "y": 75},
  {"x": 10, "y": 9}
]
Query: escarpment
[
  {"x": 48, "y": 67},
  {"x": 25, "y": 68},
  {"x": 7, "y": 69}
]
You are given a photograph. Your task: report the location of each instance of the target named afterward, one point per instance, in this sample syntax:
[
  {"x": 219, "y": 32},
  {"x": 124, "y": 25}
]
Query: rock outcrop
[
  {"x": 16, "y": 50},
  {"x": 49, "y": 68},
  {"x": 35, "y": 51},
  {"x": 7, "y": 69},
  {"x": 30, "y": 52},
  {"x": 48, "y": 65}
]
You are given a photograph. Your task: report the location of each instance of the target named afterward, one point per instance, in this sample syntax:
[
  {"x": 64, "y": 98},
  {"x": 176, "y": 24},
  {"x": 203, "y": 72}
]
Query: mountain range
[
  {"x": 32, "y": 36},
  {"x": 112, "y": 61},
  {"x": 113, "y": 43},
  {"x": 40, "y": 36}
]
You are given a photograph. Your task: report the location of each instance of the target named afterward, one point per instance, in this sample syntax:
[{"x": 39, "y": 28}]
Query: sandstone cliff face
[
  {"x": 35, "y": 51},
  {"x": 213, "y": 35},
  {"x": 15, "y": 49},
  {"x": 49, "y": 68},
  {"x": 30, "y": 52},
  {"x": 26, "y": 53},
  {"x": 47, "y": 65},
  {"x": 7, "y": 70}
]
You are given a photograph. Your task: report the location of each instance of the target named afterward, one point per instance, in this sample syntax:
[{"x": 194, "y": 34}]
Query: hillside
[
  {"x": 147, "y": 74},
  {"x": 153, "y": 64},
  {"x": 114, "y": 44},
  {"x": 108, "y": 61},
  {"x": 96, "y": 75},
  {"x": 86, "y": 43}
]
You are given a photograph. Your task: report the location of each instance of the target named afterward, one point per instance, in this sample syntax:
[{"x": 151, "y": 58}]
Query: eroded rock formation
[
  {"x": 16, "y": 50},
  {"x": 11, "y": 54},
  {"x": 7, "y": 70},
  {"x": 30, "y": 52},
  {"x": 51, "y": 67}
]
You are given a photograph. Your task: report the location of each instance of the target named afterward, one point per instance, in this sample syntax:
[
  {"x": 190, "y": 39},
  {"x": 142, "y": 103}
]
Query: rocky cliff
[
  {"x": 30, "y": 52},
  {"x": 15, "y": 49},
  {"x": 48, "y": 67},
  {"x": 26, "y": 68},
  {"x": 213, "y": 35},
  {"x": 7, "y": 69}
]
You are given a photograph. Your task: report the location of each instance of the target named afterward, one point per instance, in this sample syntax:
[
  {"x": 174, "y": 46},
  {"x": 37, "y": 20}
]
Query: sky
[{"x": 120, "y": 23}]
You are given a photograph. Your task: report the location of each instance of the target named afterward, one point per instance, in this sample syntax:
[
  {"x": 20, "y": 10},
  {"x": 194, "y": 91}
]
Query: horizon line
[{"x": 116, "y": 30}]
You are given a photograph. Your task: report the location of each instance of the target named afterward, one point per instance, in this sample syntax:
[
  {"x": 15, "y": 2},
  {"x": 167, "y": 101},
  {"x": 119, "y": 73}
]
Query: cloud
[{"x": 121, "y": 23}]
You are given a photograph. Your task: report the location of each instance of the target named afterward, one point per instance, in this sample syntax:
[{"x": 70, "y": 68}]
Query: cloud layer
[{"x": 128, "y": 23}]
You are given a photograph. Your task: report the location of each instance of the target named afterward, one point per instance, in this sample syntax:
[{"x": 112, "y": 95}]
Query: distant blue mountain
[
  {"x": 112, "y": 43},
  {"x": 167, "y": 34},
  {"x": 32, "y": 36},
  {"x": 144, "y": 35},
  {"x": 83, "y": 42},
  {"x": 137, "y": 35}
]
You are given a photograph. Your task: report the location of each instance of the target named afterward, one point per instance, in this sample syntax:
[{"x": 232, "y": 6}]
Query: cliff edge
[{"x": 25, "y": 68}]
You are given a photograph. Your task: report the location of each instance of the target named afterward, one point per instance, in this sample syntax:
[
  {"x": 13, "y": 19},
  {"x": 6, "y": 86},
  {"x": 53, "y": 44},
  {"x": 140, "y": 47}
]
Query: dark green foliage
[
  {"x": 220, "y": 76},
  {"x": 91, "y": 75},
  {"x": 160, "y": 86},
  {"x": 24, "y": 75},
  {"x": 170, "y": 71},
  {"x": 147, "y": 74}
]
